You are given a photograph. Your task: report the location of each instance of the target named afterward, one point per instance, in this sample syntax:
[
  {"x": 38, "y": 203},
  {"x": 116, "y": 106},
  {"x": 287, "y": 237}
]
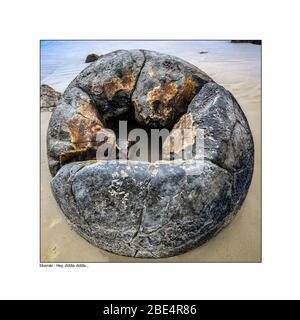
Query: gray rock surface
[
  {"x": 48, "y": 98},
  {"x": 144, "y": 209}
]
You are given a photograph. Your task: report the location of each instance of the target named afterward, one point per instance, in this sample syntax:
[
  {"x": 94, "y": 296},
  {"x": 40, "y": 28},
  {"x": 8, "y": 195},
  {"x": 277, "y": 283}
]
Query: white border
[{"x": 23, "y": 24}]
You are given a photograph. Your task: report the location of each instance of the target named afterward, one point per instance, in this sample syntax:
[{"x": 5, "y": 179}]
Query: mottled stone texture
[
  {"x": 48, "y": 98},
  {"x": 165, "y": 88},
  {"x": 145, "y": 209}
]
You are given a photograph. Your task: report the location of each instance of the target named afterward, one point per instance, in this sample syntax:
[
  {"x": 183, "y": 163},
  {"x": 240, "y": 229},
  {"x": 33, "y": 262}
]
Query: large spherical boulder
[{"x": 140, "y": 208}]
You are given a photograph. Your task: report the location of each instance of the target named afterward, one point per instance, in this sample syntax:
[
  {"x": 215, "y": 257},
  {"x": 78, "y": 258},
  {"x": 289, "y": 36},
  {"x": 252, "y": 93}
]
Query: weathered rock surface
[
  {"x": 110, "y": 81},
  {"x": 165, "y": 88},
  {"x": 91, "y": 57},
  {"x": 228, "y": 141},
  {"x": 157, "y": 88},
  {"x": 145, "y": 209},
  {"x": 48, "y": 98}
]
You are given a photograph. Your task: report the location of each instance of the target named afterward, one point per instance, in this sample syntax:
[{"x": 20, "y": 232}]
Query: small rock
[
  {"x": 247, "y": 41},
  {"x": 49, "y": 98},
  {"x": 91, "y": 57}
]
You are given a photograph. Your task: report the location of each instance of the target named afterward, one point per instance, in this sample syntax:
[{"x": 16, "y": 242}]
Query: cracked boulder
[{"x": 139, "y": 208}]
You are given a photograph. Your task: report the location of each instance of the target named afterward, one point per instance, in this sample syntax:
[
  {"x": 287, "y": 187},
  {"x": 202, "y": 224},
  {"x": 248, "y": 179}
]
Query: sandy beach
[{"x": 237, "y": 67}]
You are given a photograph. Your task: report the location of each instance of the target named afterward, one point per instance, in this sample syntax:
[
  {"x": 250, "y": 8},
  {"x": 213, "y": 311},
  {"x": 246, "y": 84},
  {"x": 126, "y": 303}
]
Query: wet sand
[{"x": 237, "y": 68}]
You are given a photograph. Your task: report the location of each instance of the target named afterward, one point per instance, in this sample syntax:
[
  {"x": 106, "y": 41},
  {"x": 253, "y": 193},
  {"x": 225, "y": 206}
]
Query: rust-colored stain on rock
[
  {"x": 152, "y": 72},
  {"x": 84, "y": 125},
  {"x": 163, "y": 93},
  {"x": 159, "y": 98},
  {"x": 189, "y": 89},
  {"x": 78, "y": 155},
  {"x": 108, "y": 89}
]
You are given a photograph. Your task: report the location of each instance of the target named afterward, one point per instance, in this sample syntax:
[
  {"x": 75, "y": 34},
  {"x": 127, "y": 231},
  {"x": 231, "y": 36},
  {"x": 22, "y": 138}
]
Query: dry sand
[{"x": 237, "y": 68}]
